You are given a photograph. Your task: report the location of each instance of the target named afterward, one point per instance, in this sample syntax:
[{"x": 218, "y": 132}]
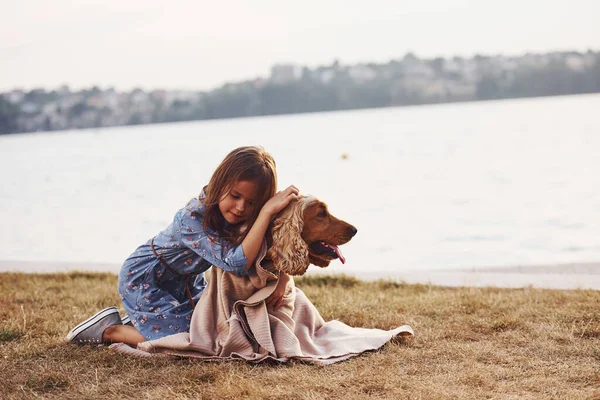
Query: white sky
[{"x": 198, "y": 44}]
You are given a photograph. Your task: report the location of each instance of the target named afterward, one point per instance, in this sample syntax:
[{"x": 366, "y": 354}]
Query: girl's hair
[{"x": 247, "y": 163}]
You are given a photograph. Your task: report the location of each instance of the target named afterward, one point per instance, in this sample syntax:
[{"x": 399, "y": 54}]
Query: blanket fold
[{"x": 232, "y": 321}]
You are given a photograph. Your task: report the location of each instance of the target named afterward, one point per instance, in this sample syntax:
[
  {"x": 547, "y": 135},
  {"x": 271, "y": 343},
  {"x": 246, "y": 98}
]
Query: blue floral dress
[{"x": 155, "y": 296}]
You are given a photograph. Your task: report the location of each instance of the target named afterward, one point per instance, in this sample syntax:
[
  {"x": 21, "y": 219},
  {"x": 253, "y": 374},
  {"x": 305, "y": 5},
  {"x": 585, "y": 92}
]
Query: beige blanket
[{"x": 232, "y": 321}]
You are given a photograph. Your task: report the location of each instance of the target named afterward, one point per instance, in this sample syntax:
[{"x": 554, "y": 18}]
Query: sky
[{"x": 200, "y": 45}]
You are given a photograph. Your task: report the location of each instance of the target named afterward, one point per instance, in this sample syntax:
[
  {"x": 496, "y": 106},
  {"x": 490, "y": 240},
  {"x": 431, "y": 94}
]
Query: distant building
[
  {"x": 575, "y": 62},
  {"x": 325, "y": 75},
  {"x": 362, "y": 73},
  {"x": 285, "y": 73},
  {"x": 15, "y": 96},
  {"x": 30, "y": 108}
]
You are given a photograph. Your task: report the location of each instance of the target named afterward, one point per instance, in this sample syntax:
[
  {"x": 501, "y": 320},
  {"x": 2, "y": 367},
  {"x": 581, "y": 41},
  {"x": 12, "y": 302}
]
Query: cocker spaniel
[{"x": 306, "y": 233}]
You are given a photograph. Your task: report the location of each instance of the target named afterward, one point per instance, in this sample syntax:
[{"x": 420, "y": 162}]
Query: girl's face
[{"x": 238, "y": 205}]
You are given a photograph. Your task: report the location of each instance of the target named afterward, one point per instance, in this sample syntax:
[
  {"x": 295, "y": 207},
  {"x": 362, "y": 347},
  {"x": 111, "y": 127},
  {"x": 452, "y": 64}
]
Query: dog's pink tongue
[{"x": 339, "y": 254}]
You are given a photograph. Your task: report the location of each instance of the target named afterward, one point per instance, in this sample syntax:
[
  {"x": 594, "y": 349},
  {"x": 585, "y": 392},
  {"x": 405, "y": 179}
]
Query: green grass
[{"x": 470, "y": 343}]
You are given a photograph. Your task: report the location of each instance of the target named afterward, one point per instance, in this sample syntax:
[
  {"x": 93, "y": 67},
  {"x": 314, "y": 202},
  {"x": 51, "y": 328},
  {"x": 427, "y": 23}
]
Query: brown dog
[{"x": 306, "y": 233}]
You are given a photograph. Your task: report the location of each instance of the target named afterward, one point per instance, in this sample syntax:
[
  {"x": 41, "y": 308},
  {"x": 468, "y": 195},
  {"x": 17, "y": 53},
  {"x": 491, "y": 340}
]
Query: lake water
[{"x": 431, "y": 187}]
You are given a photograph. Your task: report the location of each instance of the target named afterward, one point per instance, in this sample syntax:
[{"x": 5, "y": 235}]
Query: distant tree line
[{"x": 291, "y": 89}]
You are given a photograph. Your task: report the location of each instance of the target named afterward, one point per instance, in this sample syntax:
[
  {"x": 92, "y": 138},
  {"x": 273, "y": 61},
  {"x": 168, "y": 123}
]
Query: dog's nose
[{"x": 352, "y": 230}]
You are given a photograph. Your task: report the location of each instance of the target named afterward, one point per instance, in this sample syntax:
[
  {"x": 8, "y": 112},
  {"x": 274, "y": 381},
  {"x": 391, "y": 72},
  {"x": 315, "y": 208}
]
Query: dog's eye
[{"x": 322, "y": 213}]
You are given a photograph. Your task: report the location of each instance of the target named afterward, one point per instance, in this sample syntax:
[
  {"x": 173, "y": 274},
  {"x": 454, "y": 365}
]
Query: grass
[{"x": 470, "y": 343}]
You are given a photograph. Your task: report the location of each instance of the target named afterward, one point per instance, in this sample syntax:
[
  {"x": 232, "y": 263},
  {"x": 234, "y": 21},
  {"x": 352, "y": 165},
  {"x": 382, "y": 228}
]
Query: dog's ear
[{"x": 289, "y": 252}]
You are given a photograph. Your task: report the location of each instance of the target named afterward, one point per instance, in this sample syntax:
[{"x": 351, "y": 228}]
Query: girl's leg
[{"x": 124, "y": 334}]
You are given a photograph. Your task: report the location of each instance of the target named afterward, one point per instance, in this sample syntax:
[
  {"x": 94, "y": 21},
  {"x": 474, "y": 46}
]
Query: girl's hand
[
  {"x": 253, "y": 241},
  {"x": 276, "y": 298},
  {"x": 280, "y": 200}
]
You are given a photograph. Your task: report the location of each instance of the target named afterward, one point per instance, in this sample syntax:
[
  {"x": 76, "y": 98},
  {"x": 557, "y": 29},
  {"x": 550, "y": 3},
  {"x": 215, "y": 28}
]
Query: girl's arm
[{"x": 253, "y": 241}]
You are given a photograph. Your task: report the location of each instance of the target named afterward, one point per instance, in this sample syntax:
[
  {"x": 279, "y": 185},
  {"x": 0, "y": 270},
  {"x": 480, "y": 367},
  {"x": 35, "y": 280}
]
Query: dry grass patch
[{"x": 470, "y": 343}]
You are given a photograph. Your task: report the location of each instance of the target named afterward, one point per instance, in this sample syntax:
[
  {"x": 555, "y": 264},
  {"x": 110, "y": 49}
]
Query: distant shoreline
[
  {"x": 295, "y": 89},
  {"x": 365, "y": 109},
  {"x": 566, "y": 276}
]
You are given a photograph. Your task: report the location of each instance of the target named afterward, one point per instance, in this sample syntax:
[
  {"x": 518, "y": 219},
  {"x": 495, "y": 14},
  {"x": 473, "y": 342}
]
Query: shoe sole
[{"x": 100, "y": 315}]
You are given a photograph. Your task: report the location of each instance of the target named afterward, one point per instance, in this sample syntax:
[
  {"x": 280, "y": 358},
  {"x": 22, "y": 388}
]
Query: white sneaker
[{"x": 90, "y": 331}]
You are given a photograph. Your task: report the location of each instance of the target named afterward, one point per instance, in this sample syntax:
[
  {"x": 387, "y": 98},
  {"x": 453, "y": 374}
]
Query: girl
[{"x": 224, "y": 226}]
